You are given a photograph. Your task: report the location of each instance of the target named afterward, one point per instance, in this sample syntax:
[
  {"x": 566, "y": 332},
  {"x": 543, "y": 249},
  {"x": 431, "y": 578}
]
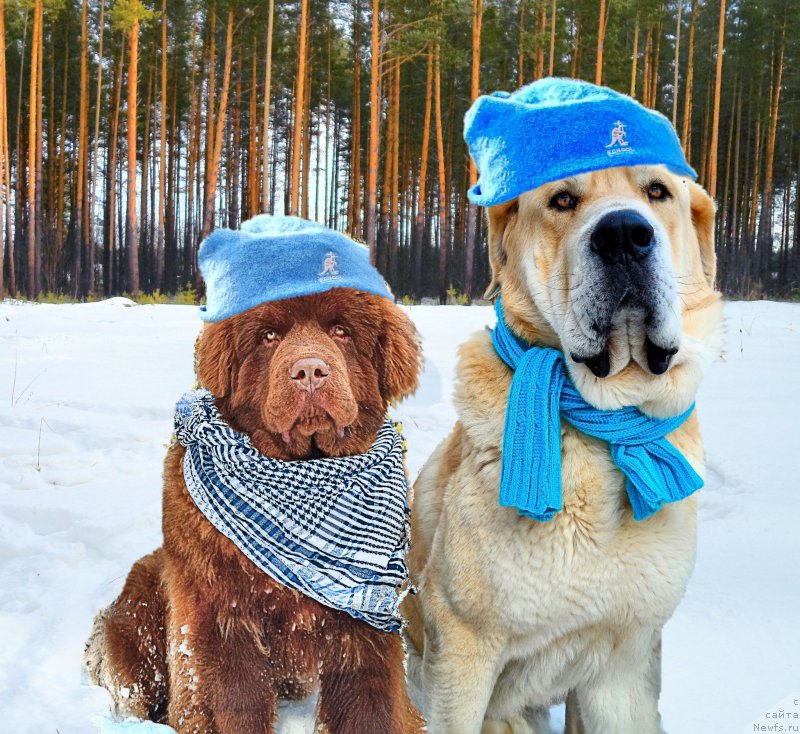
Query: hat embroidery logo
[
  {"x": 330, "y": 268},
  {"x": 618, "y": 142}
]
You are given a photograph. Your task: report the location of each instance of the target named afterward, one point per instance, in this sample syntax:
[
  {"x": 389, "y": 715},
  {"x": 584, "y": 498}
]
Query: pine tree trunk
[
  {"x": 97, "y": 109},
  {"x": 472, "y": 209},
  {"x": 374, "y": 133},
  {"x": 235, "y": 159},
  {"x": 330, "y": 186},
  {"x": 287, "y": 165},
  {"x": 4, "y": 164},
  {"x": 210, "y": 135},
  {"x": 601, "y": 36},
  {"x": 38, "y": 170},
  {"x": 170, "y": 229},
  {"x": 635, "y": 57},
  {"x": 162, "y": 153},
  {"x": 765, "y": 228},
  {"x": 299, "y": 115},
  {"x": 783, "y": 259},
  {"x": 131, "y": 233},
  {"x": 318, "y": 145},
  {"x": 735, "y": 226},
  {"x": 575, "y": 61},
  {"x": 34, "y": 276},
  {"x": 21, "y": 187},
  {"x": 216, "y": 142},
  {"x": 444, "y": 225},
  {"x": 794, "y": 266},
  {"x": 253, "y": 190},
  {"x": 192, "y": 134},
  {"x": 110, "y": 272},
  {"x": 542, "y": 12},
  {"x": 675, "y": 89},
  {"x": 686, "y": 130},
  {"x": 147, "y": 275},
  {"x": 395, "y": 170},
  {"x": 756, "y": 179},
  {"x": 648, "y": 42},
  {"x": 723, "y": 211},
  {"x": 5, "y": 182},
  {"x": 49, "y": 176},
  {"x": 521, "y": 47},
  {"x": 552, "y": 61},
  {"x": 265, "y": 206},
  {"x": 354, "y": 198},
  {"x": 419, "y": 228},
  {"x": 84, "y": 278},
  {"x": 706, "y": 132},
  {"x": 61, "y": 165},
  {"x": 712, "y": 158},
  {"x": 306, "y": 155},
  {"x": 382, "y": 244},
  {"x": 656, "y": 59}
]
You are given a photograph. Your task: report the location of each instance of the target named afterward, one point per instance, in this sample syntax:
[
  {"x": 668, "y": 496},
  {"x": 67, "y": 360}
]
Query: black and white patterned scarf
[{"x": 335, "y": 529}]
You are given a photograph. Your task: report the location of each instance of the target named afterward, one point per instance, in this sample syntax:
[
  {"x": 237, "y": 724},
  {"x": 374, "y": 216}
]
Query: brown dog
[{"x": 199, "y": 637}]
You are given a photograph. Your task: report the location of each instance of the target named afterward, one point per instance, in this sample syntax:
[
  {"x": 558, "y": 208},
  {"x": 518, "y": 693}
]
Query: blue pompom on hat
[
  {"x": 276, "y": 257},
  {"x": 556, "y": 128}
]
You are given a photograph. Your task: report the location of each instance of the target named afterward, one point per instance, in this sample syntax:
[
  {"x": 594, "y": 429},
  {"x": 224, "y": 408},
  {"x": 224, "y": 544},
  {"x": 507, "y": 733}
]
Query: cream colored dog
[{"x": 616, "y": 269}]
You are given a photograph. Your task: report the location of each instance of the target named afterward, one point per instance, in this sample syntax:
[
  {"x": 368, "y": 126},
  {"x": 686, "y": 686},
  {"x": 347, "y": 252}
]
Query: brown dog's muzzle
[{"x": 309, "y": 388}]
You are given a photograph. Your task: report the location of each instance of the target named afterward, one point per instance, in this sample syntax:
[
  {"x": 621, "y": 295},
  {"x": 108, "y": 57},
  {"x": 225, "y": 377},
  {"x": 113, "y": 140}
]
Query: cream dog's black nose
[
  {"x": 310, "y": 373},
  {"x": 622, "y": 235}
]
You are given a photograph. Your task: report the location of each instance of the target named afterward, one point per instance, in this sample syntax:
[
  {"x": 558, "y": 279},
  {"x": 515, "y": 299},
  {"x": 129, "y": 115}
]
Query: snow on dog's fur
[{"x": 513, "y": 615}]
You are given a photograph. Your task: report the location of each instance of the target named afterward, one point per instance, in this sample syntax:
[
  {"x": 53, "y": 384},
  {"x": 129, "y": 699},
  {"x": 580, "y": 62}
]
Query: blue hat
[
  {"x": 275, "y": 257},
  {"x": 555, "y": 128}
]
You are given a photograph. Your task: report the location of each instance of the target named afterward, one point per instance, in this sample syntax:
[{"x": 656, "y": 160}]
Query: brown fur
[{"x": 212, "y": 642}]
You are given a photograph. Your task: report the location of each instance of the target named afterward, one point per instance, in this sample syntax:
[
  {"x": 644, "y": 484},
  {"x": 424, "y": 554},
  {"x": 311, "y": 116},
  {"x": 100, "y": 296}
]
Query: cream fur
[{"x": 514, "y": 615}]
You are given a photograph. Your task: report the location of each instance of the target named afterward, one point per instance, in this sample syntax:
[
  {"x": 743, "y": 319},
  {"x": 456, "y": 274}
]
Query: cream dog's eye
[
  {"x": 563, "y": 201},
  {"x": 339, "y": 332},
  {"x": 270, "y": 336},
  {"x": 657, "y": 191}
]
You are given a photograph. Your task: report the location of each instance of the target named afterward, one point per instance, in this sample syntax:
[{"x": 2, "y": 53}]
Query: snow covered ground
[{"x": 86, "y": 396}]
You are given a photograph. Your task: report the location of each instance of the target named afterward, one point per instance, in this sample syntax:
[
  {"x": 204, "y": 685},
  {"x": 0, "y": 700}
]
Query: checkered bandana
[{"x": 335, "y": 529}]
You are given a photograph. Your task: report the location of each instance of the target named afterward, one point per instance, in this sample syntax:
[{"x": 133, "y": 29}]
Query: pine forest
[{"x": 129, "y": 129}]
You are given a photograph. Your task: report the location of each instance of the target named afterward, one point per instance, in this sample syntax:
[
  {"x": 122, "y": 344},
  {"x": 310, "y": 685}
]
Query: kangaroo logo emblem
[
  {"x": 618, "y": 136},
  {"x": 330, "y": 266}
]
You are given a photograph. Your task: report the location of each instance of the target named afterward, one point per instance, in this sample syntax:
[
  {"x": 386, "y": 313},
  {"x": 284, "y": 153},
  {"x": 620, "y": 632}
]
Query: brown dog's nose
[{"x": 310, "y": 373}]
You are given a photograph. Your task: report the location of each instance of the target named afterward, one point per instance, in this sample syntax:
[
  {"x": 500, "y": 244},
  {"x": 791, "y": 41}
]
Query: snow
[{"x": 86, "y": 396}]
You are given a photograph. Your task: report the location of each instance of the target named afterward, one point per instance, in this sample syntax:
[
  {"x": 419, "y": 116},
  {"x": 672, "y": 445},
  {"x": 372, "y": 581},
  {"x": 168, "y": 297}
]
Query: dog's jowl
[{"x": 284, "y": 512}]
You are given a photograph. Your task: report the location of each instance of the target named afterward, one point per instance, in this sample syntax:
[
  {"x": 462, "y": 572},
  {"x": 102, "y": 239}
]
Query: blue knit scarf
[{"x": 656, "y": 472}]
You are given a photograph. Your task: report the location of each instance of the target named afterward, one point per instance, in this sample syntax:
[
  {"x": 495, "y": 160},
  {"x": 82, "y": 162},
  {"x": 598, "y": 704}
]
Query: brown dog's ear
[
  {"x": 401, "y": 354},
  {"x": 703, "y": 214},
  {"x": 498, "y": 216},
  {"x": 215, "y": 360}
]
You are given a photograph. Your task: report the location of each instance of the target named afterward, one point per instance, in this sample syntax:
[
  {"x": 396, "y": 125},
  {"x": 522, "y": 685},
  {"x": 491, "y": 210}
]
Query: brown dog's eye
[
  {"x": 339, "y": 332},
  {"x": 271, "y": 336},
  {"x": 563, "y": 201},
  {"x": 657, "y": 191}
]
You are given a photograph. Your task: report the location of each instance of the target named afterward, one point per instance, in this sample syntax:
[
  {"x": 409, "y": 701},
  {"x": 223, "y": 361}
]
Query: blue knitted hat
[
  {"x": 555, "y": 128},
  {"x": 275, "y": 257}
]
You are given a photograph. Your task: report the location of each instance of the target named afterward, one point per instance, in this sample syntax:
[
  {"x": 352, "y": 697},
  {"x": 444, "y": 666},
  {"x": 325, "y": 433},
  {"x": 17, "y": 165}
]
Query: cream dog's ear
[
  {"x": 703, "y": 215},
  {"x": 499, "y": 216}
]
